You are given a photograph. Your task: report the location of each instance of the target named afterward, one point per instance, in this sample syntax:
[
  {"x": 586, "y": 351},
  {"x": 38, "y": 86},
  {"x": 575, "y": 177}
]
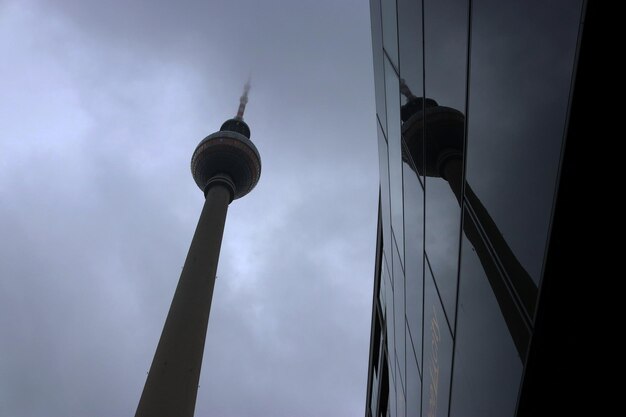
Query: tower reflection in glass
[{"x": 434, "y": 137}]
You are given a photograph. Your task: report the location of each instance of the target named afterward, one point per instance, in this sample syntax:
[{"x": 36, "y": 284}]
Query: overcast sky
[{"x": 102, "y": 104}]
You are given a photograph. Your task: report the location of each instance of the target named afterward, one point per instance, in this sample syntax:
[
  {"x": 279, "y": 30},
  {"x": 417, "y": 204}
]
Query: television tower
[{"x": 225, "y": 165}]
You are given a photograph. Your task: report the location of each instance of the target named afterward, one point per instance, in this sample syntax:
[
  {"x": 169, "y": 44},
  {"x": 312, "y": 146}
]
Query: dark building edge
[
  {"x": 555, "y": 378},
  {"x": 374, "y": 319}
]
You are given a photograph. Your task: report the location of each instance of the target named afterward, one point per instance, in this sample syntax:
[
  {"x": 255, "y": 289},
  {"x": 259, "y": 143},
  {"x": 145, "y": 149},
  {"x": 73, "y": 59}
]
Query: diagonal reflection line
[
  {"x": 520, "y": 279},
  {"x": 516, "y": 320}
]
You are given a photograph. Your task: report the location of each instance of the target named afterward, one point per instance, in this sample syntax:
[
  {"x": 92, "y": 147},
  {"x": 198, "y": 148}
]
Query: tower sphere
[
  {"x": 228, "y": 152},
  {"x": 437, "y": 129}
]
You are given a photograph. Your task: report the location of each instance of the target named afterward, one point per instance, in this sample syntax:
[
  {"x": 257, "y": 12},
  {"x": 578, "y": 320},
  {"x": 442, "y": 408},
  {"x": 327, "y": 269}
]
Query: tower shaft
[{"x": 172, "y": 383}]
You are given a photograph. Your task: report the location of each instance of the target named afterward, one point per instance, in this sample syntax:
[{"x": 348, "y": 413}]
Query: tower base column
[{"x": 172, "y": 384}]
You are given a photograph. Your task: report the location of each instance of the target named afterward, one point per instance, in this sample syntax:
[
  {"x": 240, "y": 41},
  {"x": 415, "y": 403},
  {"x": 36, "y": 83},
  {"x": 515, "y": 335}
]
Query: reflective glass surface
[
  {"x": 521, "y": 67},
  {"x": 385, "y": 286},
  {"x": 389, "y": 325},
  {"x": 377, "y": 56},
  {"x": 399, "y": 321},
  {"x": 392, "y": 397},
  {"x": 383, "y": 404},
  {"x": 411, "y": 60},
  {"x": 414, "y": 255},
  {"x": 392, "y": 87},
  {"x": 410, "y": 45},
  {"x": 374, "y": 394},
  {"x": 443, "y": 222},
  {"x": 437, "y": 354},
  {"x": 400, "y": 401},
  {"x": 498, "y": 168},
  {"x": 445, "y": 51},
  {"x": 445, "y": 61},
  {"x": 385, "y": 207},
  {"x": 413, "y": 385},
  {"x": 487, "y": 368},
  {"x": 392, "y": 389},
  {"x": 390, "y": 29}
]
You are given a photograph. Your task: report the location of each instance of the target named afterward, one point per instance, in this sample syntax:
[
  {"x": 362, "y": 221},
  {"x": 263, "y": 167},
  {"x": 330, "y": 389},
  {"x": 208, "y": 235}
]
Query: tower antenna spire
[
  {"x": 405, "y": 90},
  {"x": 243, "y": 100}
]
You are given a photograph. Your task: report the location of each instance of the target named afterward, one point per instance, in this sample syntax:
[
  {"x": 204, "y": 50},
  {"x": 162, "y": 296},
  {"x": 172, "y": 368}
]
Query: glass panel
[
  {"x": 374, "y": 394},
  {"x": 487, "y": 368},
  {"x": 385, "y": 209},
  {"x": 521, "y": 68},
  {"x": 445, "y": 59},
  {"x": 383, "y": 403},
  {"x": 376, "y": 341},
  {"x": 413, "y": 385},
  {"x": 390, "y": 29},
  {"x": 414, "y": 249},
  {"x": 392, "y": 87},
  {"x": 400, "y": 401},
  {"x": 410, "y": 45},
  {"x": 378, "y": 56},
  {"x": 411, "y": 71},
  {"x": 445, "y": 51},
  {"x": 443, "y": 221},
  {"x": 391, "y": 347},
  {"x": 398, "y": 301},
  {"x": 384, "y": 287},
  {"x": 392, "y": 396},
  {"x": 437, "y": 354}
]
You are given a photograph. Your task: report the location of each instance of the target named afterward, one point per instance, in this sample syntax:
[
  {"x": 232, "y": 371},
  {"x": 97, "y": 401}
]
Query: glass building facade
[{"x": 473, "y": 100}]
